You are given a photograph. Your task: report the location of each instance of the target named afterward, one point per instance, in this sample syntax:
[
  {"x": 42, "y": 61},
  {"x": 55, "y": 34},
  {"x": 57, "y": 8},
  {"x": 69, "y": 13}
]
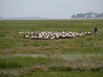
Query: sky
[{"x": 60, "y": 9}]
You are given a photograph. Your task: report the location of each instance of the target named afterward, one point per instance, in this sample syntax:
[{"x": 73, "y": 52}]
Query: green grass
[
  {"x": 58, "y": 74},
  {"x": 65, "y": 74},
  {"x": 17, "y": 62},
  {"x": 83, "y": 50}
]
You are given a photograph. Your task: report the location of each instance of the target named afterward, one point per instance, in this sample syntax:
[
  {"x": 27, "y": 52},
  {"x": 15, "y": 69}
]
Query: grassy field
[{"x": 76, "y": 57}]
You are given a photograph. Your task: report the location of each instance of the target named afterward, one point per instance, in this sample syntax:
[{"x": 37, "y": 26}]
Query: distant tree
[
  {"x": 99, "y": 15},
  {"x": 88, "y": 15},
  {"x": 73, "y": 16},
  {"x": 80, "y": 15}
]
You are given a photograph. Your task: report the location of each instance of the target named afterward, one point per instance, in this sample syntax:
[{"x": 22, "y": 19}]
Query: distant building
[{"x": 88, "y": 15}]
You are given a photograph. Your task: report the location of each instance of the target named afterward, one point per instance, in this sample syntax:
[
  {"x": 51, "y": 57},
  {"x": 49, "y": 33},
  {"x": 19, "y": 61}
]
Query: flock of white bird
[{"x": 47, "y": 35}]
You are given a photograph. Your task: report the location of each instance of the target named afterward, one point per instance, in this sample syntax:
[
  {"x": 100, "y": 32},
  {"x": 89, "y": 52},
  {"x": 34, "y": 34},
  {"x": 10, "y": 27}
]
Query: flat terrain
[{"x": 75, "y": 57}]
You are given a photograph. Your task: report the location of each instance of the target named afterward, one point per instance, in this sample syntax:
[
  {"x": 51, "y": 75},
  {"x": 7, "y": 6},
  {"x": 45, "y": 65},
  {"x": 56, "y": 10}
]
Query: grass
[
  {"x": 58, "y": 74},
  {"x": 65, "y": 74},
  {"x": 70, "y": 53}
]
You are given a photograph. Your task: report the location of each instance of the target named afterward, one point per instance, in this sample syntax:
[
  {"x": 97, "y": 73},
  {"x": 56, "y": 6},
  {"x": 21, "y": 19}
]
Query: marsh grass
[
  {"x": 75, "y": 53},
  {"x": 65, "y": 74}
]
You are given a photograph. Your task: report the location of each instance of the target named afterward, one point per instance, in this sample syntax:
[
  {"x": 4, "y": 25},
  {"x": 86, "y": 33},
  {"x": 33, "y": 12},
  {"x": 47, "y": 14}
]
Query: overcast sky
[{"x": 48, "y": 8}]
